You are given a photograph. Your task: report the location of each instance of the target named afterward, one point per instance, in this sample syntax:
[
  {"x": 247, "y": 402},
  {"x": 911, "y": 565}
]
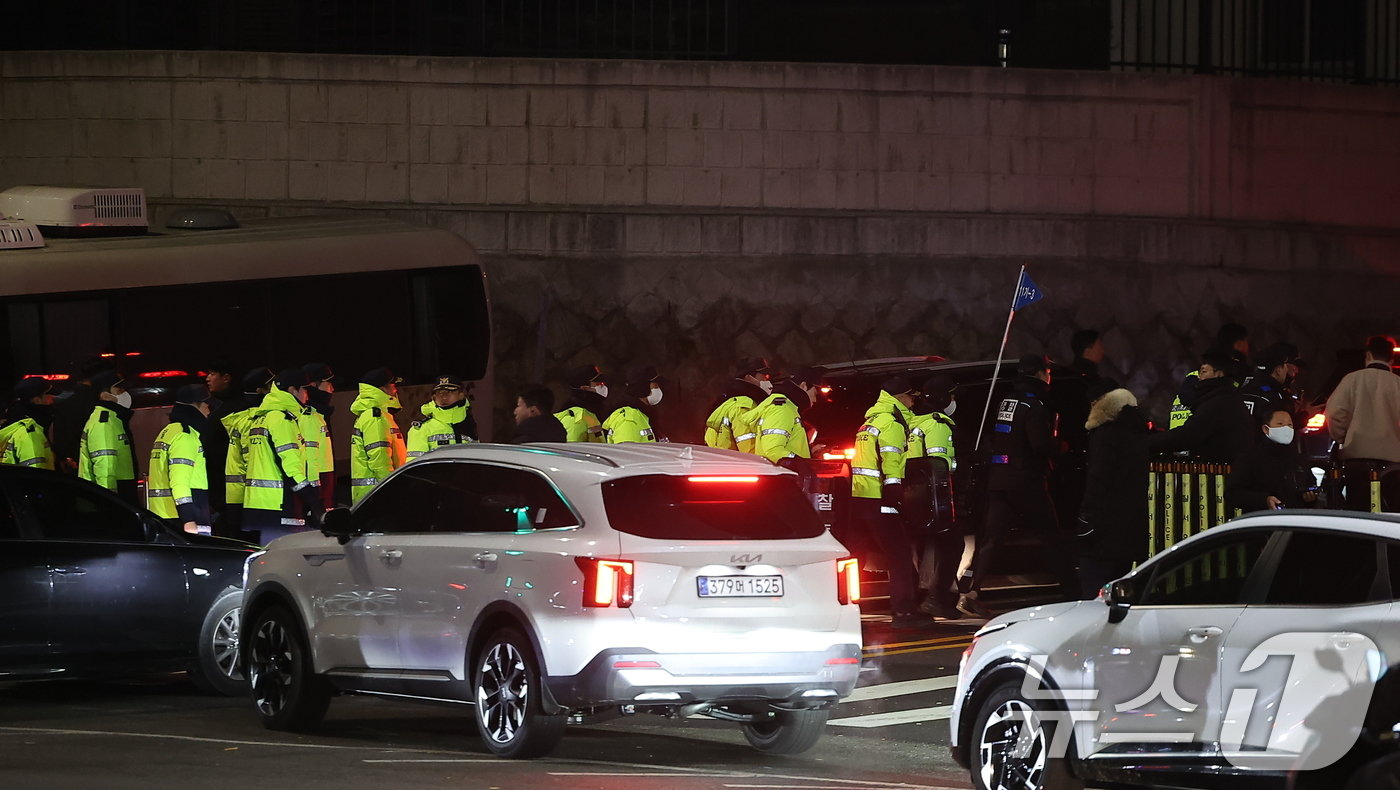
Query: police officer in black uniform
[
  {"x": 1022, "y": 449},
  {"x": 1271, "y": 385}
]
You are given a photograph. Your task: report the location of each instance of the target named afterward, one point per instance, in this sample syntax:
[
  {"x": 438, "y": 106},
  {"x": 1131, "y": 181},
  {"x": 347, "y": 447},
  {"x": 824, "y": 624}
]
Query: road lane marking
[
  {"x": 677, "y": 772},
  {"x": 937, "y": 713},
  {"x": 930, "y": 649},
  {"x": 437, "y": 760},
  {"x": 901, "y": 688},
  {"x": 938, "y": 640}
]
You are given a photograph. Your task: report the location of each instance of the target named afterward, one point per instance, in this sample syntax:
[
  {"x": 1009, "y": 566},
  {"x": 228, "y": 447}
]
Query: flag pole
[{"x": 1006, "y": 335}]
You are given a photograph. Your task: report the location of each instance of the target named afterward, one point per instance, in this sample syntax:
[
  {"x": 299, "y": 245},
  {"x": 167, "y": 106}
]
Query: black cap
[
  {"x": 380, "y": 377},
  {"x": 748, "y": 365},
  {"x": 257, "y": 379},
  {"x": 1101, "y": 387},
  {"x": 31, "y": 387},
  {"x": 1031, "y": 364},
  {"x": 450, "y": 384},
  {"x": 106, "y": 379},
  {"x": 642, "y": 374},
  {"x": 809, "y": 374},
  {"x": 192, "y": 394},
  {"x": 583, "y": 376},
  {"x": 292, "y": 377},
  {"x": 317, "y": 372},
  {"x": 938, "y": 384},
  {"x": 897, "y": 385},
  {"x": 1277, "y": 354}
]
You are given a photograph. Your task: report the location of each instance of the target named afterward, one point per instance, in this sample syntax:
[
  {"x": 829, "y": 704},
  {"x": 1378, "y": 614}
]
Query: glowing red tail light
[
  {"x": 1316, "y": 423},
  {"x": 606, "y": 582},
  {"x": 724, "y": 479},
  {"x": 49, "y": 376},
  {"x": 840, "y": 455},
  {"x": 162, "y": 374},
  {"x": 848, "y": 580}
]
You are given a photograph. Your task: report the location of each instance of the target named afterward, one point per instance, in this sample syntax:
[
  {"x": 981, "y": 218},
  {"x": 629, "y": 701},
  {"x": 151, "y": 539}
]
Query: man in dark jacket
[
  {"x": 1069, "y": 397},
  {"x": 1113, "y": 516},
  {"x": 1022, "y": 449},
  {"x": 1220, "y": 426},
  {"x": 1269, "y": 386},
  {"x": 1271, "y": 474},
  {"x": 534, "y": 421}
]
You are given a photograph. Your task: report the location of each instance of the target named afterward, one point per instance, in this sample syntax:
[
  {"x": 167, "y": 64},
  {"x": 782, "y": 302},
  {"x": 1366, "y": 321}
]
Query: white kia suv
[
  {"x": 1242, "y": 653},
  {"x": 550, "y": 583}
]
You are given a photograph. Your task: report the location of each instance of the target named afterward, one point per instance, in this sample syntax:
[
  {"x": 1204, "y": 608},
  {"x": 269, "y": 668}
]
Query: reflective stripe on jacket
[
  {"x": 320, "y": 456},
  {"x": 376, "y": 443},
  {"x": 177, "y": 468},
  {"x": 24, "y": 443},
  {"x": 580, "y": 425},
  {"x": 780, "y": 432},
  {"x": 276, "y": 452},
  {"x": 628, "y": 424},
  {"x": 236, "y": 461},
  {"x": 931, "y": 435},
  {"x": 880, "y": 446},
  {"x": 104, "y": 451},
  {"x": 727, "y": 428},
  {"x": 434, "y": 432}
]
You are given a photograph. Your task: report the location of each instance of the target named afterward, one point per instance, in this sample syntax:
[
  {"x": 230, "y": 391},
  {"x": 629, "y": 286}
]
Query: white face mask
[
  {"x": 952, "y": 407},
  {"x": 654, "y": 398},
  {"x": 766, "y": 386},
  {"x": 602, "y": 390},
  {"x": 1281, "y": 434},
  {"x": 124, "y": 400}
]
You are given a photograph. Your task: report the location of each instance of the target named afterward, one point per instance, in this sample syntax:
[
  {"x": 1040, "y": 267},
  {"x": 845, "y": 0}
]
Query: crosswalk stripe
[
  {"x": 901, "y": 688},
  {"x": 936, "y": 713}
]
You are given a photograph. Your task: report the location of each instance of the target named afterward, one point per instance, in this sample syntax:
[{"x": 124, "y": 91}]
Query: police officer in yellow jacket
[
  {"x": 256, "y": 384},
  {"x": 583, "y": 413},
  {"x": 24, "y": 439},
  {"x": 877, "y": 487},
  {"x": 931, "y": 437},
  {"x": 177, "y": 488},
  {"x": 376, "y": 443},
  {"x": 447, "y": 419},
  {"x": 105, "y": 455},
  {"x": 280, "y": 488},
  {"x": 631, "y": 421},
  {"x": 728, "y": 426},
  {"x": 315, "y": 428},
  {"x": 778, "y": 419}
]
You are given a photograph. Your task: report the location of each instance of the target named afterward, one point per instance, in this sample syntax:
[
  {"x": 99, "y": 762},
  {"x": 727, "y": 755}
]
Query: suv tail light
[
  {"x": 848, "y": 580},
  {"x": 1316, "y": 423},
  {"x": 606, "y": 582}
]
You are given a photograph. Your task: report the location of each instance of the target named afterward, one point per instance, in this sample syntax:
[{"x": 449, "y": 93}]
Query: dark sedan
[{"x": 92, "y": 586}]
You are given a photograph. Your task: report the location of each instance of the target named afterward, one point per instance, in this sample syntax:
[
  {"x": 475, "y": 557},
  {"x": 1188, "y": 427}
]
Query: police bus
[{"x": 355, "y": 292}]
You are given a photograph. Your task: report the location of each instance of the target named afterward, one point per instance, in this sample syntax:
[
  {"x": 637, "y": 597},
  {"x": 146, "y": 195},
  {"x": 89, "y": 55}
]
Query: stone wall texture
[{"x": 686, "y": 213}]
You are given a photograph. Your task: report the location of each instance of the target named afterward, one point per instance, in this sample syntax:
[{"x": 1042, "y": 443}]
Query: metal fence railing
[{"x": 1327, "y": 40}]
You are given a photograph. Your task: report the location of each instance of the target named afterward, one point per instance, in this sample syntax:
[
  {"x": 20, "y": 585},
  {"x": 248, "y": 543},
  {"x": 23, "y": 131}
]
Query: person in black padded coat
[
  {"x": 1113, "y": 516},
  {"x": 1270, "y": 474}
]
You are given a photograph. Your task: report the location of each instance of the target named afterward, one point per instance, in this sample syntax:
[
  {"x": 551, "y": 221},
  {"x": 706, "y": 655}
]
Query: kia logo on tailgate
[{"x": 745, "y": 559}]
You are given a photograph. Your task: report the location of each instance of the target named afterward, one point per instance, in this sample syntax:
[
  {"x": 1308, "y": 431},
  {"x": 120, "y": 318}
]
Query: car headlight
[{"x": 248, "y": 564}]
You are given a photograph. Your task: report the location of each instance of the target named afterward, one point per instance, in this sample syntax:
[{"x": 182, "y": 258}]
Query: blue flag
[{"x": 1027, "y": 292}]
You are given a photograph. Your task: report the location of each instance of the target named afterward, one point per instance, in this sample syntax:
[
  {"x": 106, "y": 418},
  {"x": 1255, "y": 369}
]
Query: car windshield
[{"x": 713, "y": 507}]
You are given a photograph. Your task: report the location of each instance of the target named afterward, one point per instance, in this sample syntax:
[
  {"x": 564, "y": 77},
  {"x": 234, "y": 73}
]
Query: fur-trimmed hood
[{"x": 1107, "y": 408}]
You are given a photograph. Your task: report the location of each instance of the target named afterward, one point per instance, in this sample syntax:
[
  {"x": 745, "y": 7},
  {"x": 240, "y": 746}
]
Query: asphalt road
[{"x": 157, "y": 732}]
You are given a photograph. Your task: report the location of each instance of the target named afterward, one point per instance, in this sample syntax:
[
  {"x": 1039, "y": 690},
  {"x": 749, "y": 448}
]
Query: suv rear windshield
[{"x": 700, "y": 507}]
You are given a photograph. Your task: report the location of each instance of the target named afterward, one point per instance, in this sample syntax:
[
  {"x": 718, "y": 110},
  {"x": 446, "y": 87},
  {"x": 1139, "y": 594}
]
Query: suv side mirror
[
  {"x": 338, "y": 524},
  {"x": 1119, "y": 596}
]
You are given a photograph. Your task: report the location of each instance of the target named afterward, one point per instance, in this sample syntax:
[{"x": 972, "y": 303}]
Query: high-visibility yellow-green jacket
[
  {"x": 628, "y": 424},
  {"x": 436, "y": 430},
  {"x": 781, "y": 433},
  {"x": 728, "y": 426},
  {"x": 320, "y": 456},
  {"x": 24, "y": 443},
  {"x": 376, "y": 443},
  {"x": 276, "y": 453},
  {"x": 931, "y": 435},
  {"x": 880, "y": 446},
  {"x": 580, "y": 425},
  {"x": 236, "y": 462},
  {"x": 104, "y": 451},
  {"x": 1180, "y": 413},
  {"x": 177, "y": 469}
]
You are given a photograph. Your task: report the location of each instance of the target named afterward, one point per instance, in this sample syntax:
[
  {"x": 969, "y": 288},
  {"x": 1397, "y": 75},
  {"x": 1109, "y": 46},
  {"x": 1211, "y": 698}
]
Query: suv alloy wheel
[{"x": 509, "y": 711}]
